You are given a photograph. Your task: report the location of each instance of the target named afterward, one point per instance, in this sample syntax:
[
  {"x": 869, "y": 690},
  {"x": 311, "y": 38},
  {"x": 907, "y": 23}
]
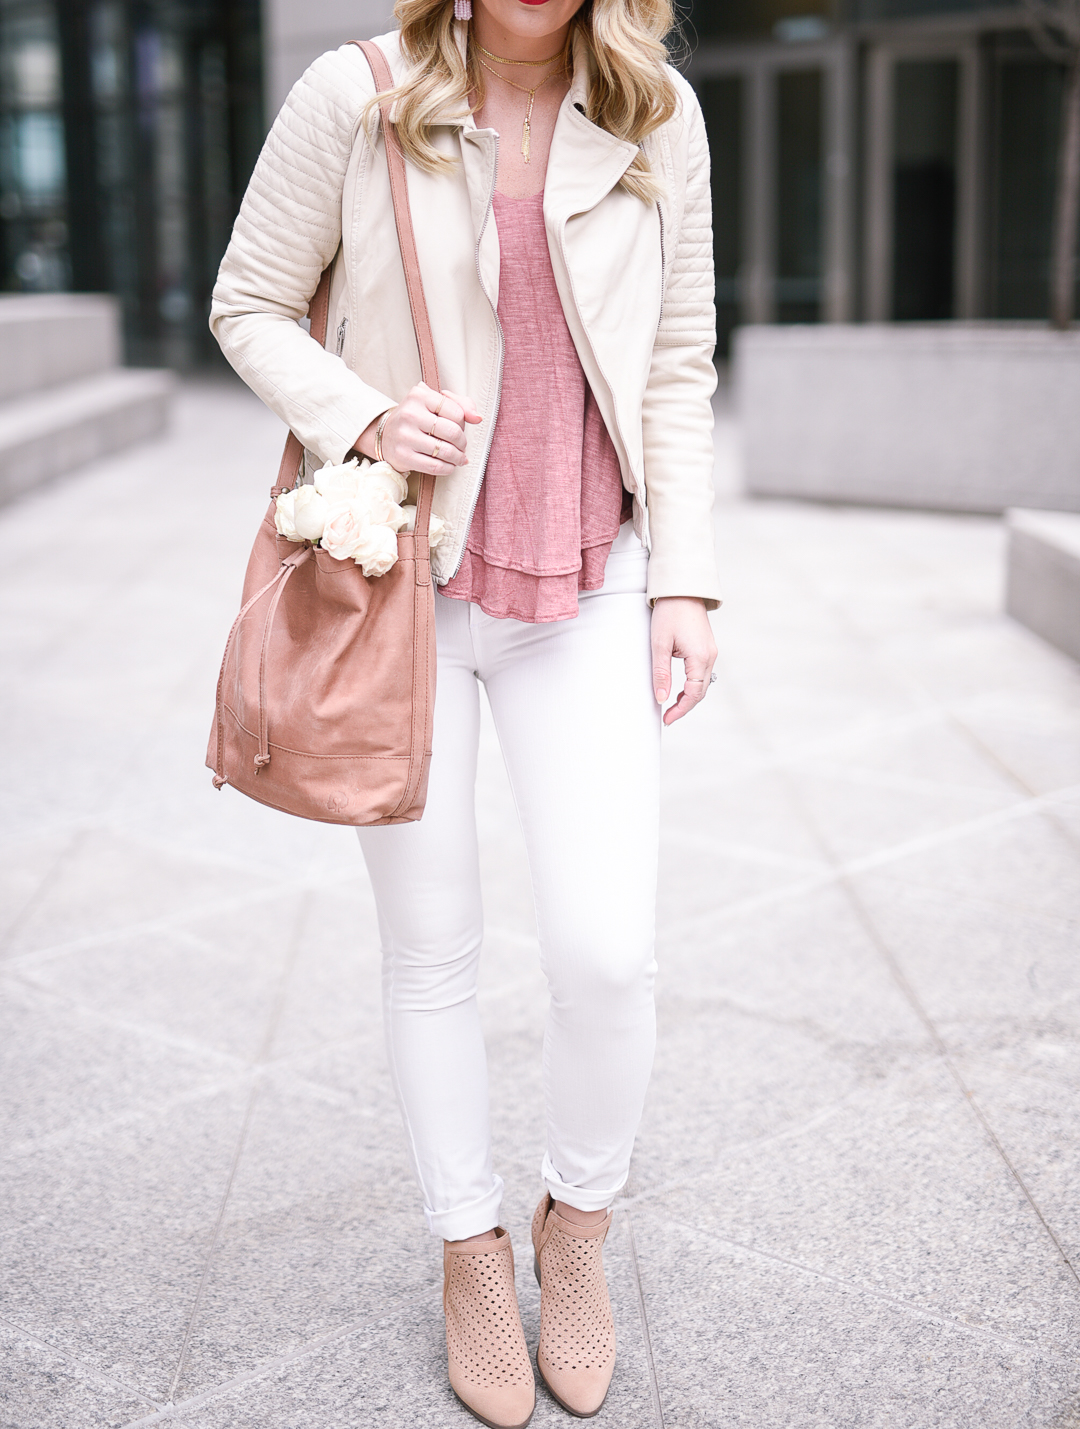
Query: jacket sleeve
[
  {"x": 677, "y": 418},
  {"x": 288, "y": 230}
]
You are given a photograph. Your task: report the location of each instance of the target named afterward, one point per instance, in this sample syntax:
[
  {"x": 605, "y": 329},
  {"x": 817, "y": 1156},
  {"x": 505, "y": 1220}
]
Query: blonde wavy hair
[{"x": 630, "y": 96}]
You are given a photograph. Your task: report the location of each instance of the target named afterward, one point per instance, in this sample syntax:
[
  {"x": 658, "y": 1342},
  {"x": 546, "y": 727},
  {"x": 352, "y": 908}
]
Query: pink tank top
[{"x": 552, "y": 497}]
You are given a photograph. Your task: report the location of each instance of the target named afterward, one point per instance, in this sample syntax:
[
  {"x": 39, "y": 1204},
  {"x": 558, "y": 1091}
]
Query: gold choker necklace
[{"x": 533, "y": 64}]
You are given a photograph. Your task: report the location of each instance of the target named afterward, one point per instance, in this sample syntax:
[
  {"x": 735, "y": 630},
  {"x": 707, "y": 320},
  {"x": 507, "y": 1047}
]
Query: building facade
[
  {"x": 890, "y": 160},
  {"x": 128, "y": 129},
  {"x": 872, "y": 159}
]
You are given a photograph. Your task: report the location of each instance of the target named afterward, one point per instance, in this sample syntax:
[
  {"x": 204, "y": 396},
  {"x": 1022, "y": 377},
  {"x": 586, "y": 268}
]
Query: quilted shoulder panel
[
  {"x": 289, "y": 224},
  {"x": 689, "y": 314}
]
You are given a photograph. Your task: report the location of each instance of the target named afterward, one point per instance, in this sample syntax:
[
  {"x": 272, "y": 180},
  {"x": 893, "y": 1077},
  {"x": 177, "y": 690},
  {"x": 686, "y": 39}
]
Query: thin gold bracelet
[{"x": 379, "y": 432}]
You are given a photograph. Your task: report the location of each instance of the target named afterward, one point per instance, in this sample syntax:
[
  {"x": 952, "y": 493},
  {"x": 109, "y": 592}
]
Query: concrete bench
[
  {"x": 1043, "y": 580},
  {"x": 948, "y": 416}
]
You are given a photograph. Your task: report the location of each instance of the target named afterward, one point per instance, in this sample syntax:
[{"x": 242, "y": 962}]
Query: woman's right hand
[{"x": 425, "y": 432}]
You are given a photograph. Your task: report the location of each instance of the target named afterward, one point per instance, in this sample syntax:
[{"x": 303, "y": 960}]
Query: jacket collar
[{"x": 585, "y": 162}]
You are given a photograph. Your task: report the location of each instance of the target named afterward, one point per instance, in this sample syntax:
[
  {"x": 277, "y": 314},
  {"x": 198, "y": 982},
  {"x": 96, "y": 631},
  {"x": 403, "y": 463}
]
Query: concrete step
[
  {"x": 44, "y": 434},
  {"x": 1043, "y": 584},
  {"x": 50, "y": 338}
]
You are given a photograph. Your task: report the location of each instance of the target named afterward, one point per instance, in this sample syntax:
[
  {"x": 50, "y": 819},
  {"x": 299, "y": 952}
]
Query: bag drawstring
[{"x": 279, "y": 579}]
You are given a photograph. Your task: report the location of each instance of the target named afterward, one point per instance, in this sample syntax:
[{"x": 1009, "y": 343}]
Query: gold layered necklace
[{"x": 526, "y": 128}]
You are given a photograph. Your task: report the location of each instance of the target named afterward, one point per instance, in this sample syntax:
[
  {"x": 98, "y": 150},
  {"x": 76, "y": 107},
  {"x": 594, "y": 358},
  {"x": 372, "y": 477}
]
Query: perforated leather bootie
[
  {"x": 576, "y": 1354},
  {"x": 490, "y": 1370}
]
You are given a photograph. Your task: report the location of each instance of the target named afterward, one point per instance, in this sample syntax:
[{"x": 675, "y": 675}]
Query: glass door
[
  {"x": 800, "y": 97},
  {"x": 924, "y": 190},
  {"x": 922, "y": 241}
]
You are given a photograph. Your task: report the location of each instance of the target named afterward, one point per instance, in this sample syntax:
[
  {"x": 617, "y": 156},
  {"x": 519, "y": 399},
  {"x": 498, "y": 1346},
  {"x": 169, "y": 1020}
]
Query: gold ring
[
  {"x": 435, "y": 453},
  {"x": 434, "y": 424}
]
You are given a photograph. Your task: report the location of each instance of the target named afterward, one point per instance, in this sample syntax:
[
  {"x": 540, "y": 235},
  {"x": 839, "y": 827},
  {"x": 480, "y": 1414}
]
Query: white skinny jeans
[{"x": 580, "y": 734}]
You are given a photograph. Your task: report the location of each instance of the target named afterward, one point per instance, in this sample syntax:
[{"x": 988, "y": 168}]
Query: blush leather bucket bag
[{"x": 327, "y": 687}]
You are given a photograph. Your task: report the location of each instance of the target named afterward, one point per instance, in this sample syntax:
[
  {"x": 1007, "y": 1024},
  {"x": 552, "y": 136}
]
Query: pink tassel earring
[{"x": 462, "y": 9}]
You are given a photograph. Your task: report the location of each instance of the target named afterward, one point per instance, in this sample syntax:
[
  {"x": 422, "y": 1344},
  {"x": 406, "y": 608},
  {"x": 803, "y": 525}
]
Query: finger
[
  {"x": 431, "y": 466},
  {"x": 417, "y": 452},
  {"x": 447, "y": 406},
  {"x": 421, "y": 444},
  {"x": 442, "y": 454},
  {"x": 694, "y": 690},
  {"x": 681, "y": 707},
  {"x": 661, "y": 670},
  {"x": 468, "y": 409},
  {"x": 695, "y": 687},
  {"x": 445, "y": 431}
]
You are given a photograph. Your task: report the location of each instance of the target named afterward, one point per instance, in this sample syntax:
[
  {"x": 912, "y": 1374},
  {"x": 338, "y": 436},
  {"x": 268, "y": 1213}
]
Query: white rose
[
  {"x": 284, "y": 514},
  {"x": 436, "y": 525},
  {"x": 340, "y": 483},
  {"x": 346, "y": 527},
  {"x": 310, "y": 510},
  {"x": 377, "y": 550},
  {"x": 382, "y": 474},
  {"x": 381, "y": 509}
]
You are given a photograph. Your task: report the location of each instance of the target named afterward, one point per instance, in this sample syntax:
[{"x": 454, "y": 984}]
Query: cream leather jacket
[{"x": 635, "y": 280}]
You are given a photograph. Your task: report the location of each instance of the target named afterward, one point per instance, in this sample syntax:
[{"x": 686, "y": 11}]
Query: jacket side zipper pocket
[{"x": 342, "y": 329}]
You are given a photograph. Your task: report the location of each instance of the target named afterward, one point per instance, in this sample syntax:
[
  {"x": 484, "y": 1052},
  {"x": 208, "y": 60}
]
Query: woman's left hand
[{"x": 681, "y": 630}]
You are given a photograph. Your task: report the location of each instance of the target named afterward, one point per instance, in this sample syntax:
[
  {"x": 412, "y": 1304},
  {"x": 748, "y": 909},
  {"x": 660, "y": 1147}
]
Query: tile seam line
[
  {"x": 274, "y": 892},
  {"x": 938, "y": 1317},
  {"x": 654, "y": 1383},
  {"x": 215, "y": 1237},
  {"x": 911, "y": 683},
  {"x": 881, "y": 858},
  {"x": 733, "y": 1148},
  {"x": 990, "y": 756},
  {"x": 238, "y": 1067},
  {"x": 907, "y": 989},
  {"x": 21, "y": 1150},
  {"x": 86, "y": 1371},
  {"x": 968, "y": 1096},
  {"x": 269, "y": 1033},
  {"x": 275, "y": 1069},
  {"x": 231, "y": 1063},
  {"x": 171, "y": 1411}
]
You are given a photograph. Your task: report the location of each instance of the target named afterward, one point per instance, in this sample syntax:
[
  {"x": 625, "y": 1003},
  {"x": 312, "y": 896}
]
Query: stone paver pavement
[{"x": 856, "y": 1197}]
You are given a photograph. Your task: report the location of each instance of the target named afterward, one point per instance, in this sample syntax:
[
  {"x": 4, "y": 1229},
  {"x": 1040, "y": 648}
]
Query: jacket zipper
[
  {"x": 342, "y": 328},
  {"x": 499, "y": 376},
  {"x": 663, "y": 263}
]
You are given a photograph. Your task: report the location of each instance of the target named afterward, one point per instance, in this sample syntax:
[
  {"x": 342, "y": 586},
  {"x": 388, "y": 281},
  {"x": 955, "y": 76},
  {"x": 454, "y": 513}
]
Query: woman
[{"x": 558, "y": 177}]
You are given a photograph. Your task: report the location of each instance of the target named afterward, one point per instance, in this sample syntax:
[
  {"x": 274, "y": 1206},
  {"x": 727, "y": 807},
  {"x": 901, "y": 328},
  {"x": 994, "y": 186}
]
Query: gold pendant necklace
[{"x": 526, "y": 128}]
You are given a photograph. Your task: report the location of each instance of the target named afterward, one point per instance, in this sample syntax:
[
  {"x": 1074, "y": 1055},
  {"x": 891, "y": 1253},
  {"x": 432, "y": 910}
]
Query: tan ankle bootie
[
  {"x": 576, "y": 1354},
  {"x": 490, "y": 1371}
]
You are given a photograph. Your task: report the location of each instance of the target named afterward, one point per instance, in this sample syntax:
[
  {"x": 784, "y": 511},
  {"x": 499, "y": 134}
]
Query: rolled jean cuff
[
  {"x": 472, "y": 1219},
  {"x": 590, "y": 1200}
]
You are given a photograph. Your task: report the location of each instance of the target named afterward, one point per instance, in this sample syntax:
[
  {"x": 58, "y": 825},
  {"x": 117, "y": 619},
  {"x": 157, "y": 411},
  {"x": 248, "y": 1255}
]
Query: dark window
[
  {"x": 924, "y": 189},
  {"x": 799, "y": 96},
  {"x": 721, "y": 102},
  {"x": 1028, "y": 125}
]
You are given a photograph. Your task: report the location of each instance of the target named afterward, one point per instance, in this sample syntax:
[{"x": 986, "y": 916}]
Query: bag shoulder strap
[
  {"x": 399, "y": 189},
  {"x": 425, "y": 342},
  {"x": 319, "y": 308}
]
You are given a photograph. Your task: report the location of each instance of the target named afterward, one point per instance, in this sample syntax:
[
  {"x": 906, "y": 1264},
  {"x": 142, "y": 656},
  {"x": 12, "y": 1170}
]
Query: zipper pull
[{"x": 342, "y": 325}]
